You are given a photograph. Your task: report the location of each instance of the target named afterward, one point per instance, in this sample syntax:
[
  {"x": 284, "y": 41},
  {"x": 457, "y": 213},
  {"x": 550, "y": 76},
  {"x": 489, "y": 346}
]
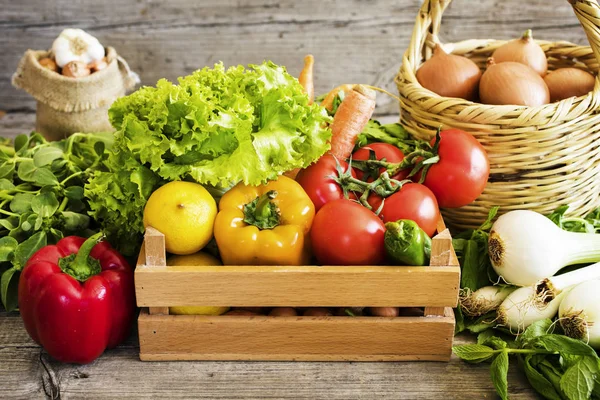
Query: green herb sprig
[
  {"x": 557, "y": 366},
  {"x": 41, "y": 197}
]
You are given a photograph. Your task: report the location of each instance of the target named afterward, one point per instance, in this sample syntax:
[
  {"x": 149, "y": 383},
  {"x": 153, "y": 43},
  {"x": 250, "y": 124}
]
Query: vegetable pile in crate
[
  {"x": 541, "y": 154},
  {"x": 206, "y": 158}
]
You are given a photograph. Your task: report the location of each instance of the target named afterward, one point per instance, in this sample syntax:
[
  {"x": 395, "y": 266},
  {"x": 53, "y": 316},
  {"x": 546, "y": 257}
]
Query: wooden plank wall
[{"x": 352, "y": 40}]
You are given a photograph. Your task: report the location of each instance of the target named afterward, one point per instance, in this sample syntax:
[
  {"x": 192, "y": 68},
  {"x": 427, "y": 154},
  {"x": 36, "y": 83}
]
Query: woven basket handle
[
  {"x": 588, "y": 14},
  {"x": 429, "y": 21}
]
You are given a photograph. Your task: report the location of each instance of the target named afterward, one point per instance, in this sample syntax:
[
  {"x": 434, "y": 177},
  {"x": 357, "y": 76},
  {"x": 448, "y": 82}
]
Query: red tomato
[
  {"x": 413, "y": 201},
  {"x": 317, "y": 183},
  {"x": 346, "y": 233},
  {"x": 462, "y": 172},
  {"x": 388, "y": 151}
]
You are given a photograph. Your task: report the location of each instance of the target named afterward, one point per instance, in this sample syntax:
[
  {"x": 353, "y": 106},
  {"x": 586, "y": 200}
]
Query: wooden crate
[{"x": 195, "y": 337}]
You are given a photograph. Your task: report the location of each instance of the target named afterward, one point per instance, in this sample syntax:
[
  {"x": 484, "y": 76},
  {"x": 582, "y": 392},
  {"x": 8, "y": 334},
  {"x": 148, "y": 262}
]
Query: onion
[
  {"x": 522, "y": 308},
  {"x": 525, "y": 51},
  {"x": 569, "y": 82},
  {"x": 579, "y": 313},
  {"x": 450, "y": 75},
  {"x": 526, "y": 247},
  {"x": 512, "y": 83},
  {"x": 483, "y": 300}
]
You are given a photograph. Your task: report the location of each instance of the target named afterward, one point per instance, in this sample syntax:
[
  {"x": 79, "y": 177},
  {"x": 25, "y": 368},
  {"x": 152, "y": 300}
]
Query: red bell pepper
[{"x": 77, "y": 298}]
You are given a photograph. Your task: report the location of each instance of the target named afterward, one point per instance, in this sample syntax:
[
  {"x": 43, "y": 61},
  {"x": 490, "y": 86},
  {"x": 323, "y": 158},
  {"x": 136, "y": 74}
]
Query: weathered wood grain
[
  {"x": 352, "y": 40},
  {"x": 118, "y": 374}
]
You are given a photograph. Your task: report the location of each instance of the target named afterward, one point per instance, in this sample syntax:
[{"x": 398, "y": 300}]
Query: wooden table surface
[{"x": 27, "y": 372}]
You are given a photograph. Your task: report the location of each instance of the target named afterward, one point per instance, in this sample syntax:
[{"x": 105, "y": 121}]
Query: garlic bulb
[{"x": 76, "y": 45}]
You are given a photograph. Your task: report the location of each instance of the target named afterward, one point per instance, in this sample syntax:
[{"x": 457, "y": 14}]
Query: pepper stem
[
  {"x": 262, "y": 212},
  {"x": 80, "y": 265}
]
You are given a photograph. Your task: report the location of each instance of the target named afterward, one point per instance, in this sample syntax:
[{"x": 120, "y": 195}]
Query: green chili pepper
[{"x": 406, "y": 243}]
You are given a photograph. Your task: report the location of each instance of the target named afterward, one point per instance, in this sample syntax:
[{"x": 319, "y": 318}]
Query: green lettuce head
[{"x": 216, "y": 127}]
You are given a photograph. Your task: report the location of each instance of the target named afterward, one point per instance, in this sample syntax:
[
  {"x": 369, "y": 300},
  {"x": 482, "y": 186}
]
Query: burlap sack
[{"x": 67, "y": 105}]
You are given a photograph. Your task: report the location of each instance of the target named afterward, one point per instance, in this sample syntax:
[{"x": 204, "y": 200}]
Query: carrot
[
  {"x": 328, "y": 100},
  {"x": 351, "y": 117},
  {"x": 306, "y": 77}
]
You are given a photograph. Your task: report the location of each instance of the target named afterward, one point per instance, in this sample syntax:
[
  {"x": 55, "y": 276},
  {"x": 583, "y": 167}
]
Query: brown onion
[
  {"x": 49, "y": 63},
  {"x": 383, "y": 311},
  {"x": 449, "y": 75},
  {"x": 98, "y": 65},
  {"x": 76, "y": 69},
  {"x": 317, "y": 312},
  {"x": 512, "y": 83},
  {"x": 569, "y": 82},
  {"x": 525, "y": 51},
  {"x": 283, "y": 312}
]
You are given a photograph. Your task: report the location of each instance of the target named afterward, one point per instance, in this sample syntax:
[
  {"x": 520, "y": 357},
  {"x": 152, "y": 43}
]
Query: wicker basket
[{"x": 541, "y": 157}]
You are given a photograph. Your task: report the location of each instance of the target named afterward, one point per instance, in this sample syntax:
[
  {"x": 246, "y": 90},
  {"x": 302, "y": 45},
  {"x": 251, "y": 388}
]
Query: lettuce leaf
[{"x": 217, "y": 127}]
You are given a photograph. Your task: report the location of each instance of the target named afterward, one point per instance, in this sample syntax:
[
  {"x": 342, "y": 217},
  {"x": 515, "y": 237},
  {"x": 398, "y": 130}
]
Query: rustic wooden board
[
  {"x": 352, "y": 40},
  {"x": 196, "y": 337},
  {"x": 297, "y": 286},
  {"x": 25, "y": 370}
]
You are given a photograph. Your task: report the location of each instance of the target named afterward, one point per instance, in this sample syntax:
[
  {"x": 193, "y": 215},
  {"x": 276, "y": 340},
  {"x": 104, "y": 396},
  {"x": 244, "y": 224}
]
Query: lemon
[
  {"x": 191, "y": 260},
  {"x": 185, "y": 213}
]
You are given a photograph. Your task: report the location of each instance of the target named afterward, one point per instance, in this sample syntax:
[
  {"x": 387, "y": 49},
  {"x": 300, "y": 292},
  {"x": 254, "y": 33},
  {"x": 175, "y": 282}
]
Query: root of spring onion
[
  {"x": 483, "y": 300},
  {"x": 522, "y": 308},
  {"x": 526, "y": 247},
  {"x": 549, "y": 288},
  {"x": 579, "y": 313}
]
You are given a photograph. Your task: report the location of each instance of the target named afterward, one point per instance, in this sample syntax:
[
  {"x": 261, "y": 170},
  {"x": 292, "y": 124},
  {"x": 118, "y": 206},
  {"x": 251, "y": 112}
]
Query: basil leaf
[
  {"x": 99, "y": 148},
  {"x": 578, "y": 381},
  {"x": 21, "y": 142},
  {"x": 45, "y": 204},
  {"x": 499, "y": 372},
  {"x": 21, "y": 203},
  {"x": 28, "y": 248},
  {"x": 553, "y": 375},
  {"x": 26, "y": 170},
  {"x": 5, "y": 184},
  {"x": 539, "y": 382},
  {"x": 74, "y": 193},
  {"x": 495, "y": 342},
  {"x": 565, "y": 344},
  {"x": 9, "y": 286},
  {"x": 484, "y": 336},
  {"x": 75, "y": 221},
  {"x": 7, "y": 170},
  {"x": 46, "y": 155},
  {"x": 473, "y": 352},
  {"x": 45, "y": 177},
  {"x": 487, "y": 225},
  {"x": 535, "y": 330},
  {"x": 7, "y": 248},
  {"x": 7, "y": 223}
]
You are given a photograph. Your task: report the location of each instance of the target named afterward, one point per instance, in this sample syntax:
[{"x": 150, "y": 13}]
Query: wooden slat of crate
[
  {"x": 194, "y": 337},
  {"x": 275, "y": 286},
  {"x": 159, "y": 286}
]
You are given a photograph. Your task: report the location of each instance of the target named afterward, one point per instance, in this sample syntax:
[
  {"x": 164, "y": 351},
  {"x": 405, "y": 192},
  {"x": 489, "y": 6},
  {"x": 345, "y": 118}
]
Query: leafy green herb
[
  {"x": 556, "y": 366},
  {"x": 393, "y": 133},
  {"x": 589, "y": 224},
  {"x": 41, "y": 197},
  {"x": 216, "y": 127}
]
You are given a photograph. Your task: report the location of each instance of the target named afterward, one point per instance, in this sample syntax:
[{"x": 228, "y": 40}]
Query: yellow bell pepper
[{"x": 265, "y": 225}]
